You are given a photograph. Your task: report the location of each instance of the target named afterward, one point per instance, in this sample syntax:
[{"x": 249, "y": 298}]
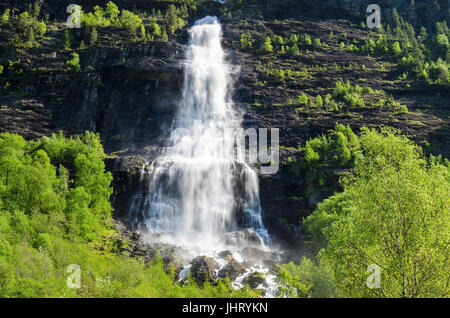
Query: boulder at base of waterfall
[
  {"x": 233, "y": 269},
  {"x": 257, "y": 255},
  {"x": 168, "y": 250},
  {"x": 248, "y": 263},
  {"x": 225, "y": 254},
  {"x": 244, "y": 237},
  {"x": 170, "y": 262},
  {"x": 273, "y": 266},
  {"x": 203, "y": 269},
  {"x": 254, "y": 280}
]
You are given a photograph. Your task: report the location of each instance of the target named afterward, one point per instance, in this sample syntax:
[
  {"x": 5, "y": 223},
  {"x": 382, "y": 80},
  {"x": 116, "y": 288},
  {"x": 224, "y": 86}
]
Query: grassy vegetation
[
  {"x": 55, "y": 211},
  {"x": 391, "y": 206},
  {"x": 393, "y": 212},
  {"x": 276, "y": 44},
  {"x": 422, "y": 55},
  {"x": 27, "y": 27},
  {"x": 346, "y": 96}
]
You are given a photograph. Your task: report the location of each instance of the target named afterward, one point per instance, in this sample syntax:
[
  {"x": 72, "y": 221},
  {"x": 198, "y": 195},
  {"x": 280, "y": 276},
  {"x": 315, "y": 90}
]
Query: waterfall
[{"x": 197, "y": 188}]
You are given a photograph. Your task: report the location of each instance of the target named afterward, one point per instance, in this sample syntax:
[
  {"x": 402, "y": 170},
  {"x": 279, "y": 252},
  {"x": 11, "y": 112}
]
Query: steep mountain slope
[{"x": 128, "y": 88}]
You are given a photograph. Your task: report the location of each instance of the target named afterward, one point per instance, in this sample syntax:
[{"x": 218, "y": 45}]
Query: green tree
[
  {"x": 41, "y": 28},
  {"x": 30, "y": 35},
  {"x": 396, "y": 49},
  {"x": 293, "y": 39},
  {"x": 36, "y": 9},
  {"x": 112, "y": 11},
  {"x": 438, "y": 71},
  {"x": 130, "y": 21},
  {"x": 67, "y": 39},
  {"x": 267, "y": 46},
  {"x": 443, "y": 45},
  {"x": 93, "y": 36},
  {"x": 394, "y": 213},
  {"x": 319, "y": 101},
  {"x": 48, "y": 218},
  {"x": 310, "y": 154},
  {"x": 142, "y": 32},
  {"x": 306, "y": 279},
  {"x": 164, "y": 36},
  {"x": 294, "y": 50},
  {"x": 4, "y": 19},
  {"x": 307, "y": 39},
  {"x": 246, "y": 41},
  {"x": 155, "y": 28},
  {"x": 74, "y": 62}
]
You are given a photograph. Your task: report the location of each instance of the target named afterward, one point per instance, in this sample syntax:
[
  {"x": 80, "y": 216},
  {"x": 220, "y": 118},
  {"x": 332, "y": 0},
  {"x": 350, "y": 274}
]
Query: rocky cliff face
[
  {"x": 129, "y": 92},
  {"x": 423, "y": 12}
]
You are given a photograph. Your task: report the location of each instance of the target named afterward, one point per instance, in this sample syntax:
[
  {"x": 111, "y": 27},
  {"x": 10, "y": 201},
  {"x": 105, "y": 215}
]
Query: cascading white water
[{"x": 197, "y": 186}]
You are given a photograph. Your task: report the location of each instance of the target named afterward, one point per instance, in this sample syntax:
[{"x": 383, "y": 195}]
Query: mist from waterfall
[{"x": 197, "y": 187}]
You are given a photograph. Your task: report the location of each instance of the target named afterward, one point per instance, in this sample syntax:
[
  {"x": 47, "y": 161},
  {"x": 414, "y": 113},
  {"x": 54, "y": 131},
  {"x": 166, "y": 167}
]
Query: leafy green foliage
[
  {"x": 55, "y": 211},
  {"x": 281, "y": 76},
  {"x": 98, "y": 18},
  {"x": 246, "y": 42},
  {"x": 155, "y": 28},
  {"x": 419, "y": 53},
  {"x": 346, "y": 96},
  {"x": 275, "y": 43},
  {"x": 32, "y": 185},
  {"x": 93, "y": 36},
  {"x": 339, "y": 147},
  {"x": 294, "y": 50},
  {"x": 74, "y": 62},
  {"x": 174, "y": 21},
  {"x": 136, "y": 24},
  {"x": 4, "y": 18},
  {"x": 67, "y": 39},
  {"x": 27, "y": 29},
  {"x": 305, "y": 279},
  {"x": 437, "y": 72},
  {"x": 393, "y": 212},
  {"x": 130, "y": 21},
  {"x": 267, "y": 46}
]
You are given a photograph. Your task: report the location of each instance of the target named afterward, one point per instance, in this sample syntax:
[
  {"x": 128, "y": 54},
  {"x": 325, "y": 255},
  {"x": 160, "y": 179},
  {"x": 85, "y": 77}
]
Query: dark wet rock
[
  {"x": 225, "y": 254},
  {"x": 128, "y": 92},
  {"x": 258, "y": 255},
  {"x": 317, "y": 197},
  {"x": 254, "y": 280},
  {"x": 272, "y": 266},
  {"x": 137, "y": 245},
  {"x": 261, "y": 291},
  {"x": 248, "y": 263},
  {"x": 233, "y": 269},
  {"x": 171, "y": 262},
  {"x": 135, "y": 236},
  {"x": 244, "y": 237},
  {"x": 119, "y": 226},
  {"x": 203, "y": 269},
  {"x": 165, "y": 250}
]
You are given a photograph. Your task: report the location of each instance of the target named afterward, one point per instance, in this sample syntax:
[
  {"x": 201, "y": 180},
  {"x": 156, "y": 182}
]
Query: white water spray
[{"x": 197, "y": 188}]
